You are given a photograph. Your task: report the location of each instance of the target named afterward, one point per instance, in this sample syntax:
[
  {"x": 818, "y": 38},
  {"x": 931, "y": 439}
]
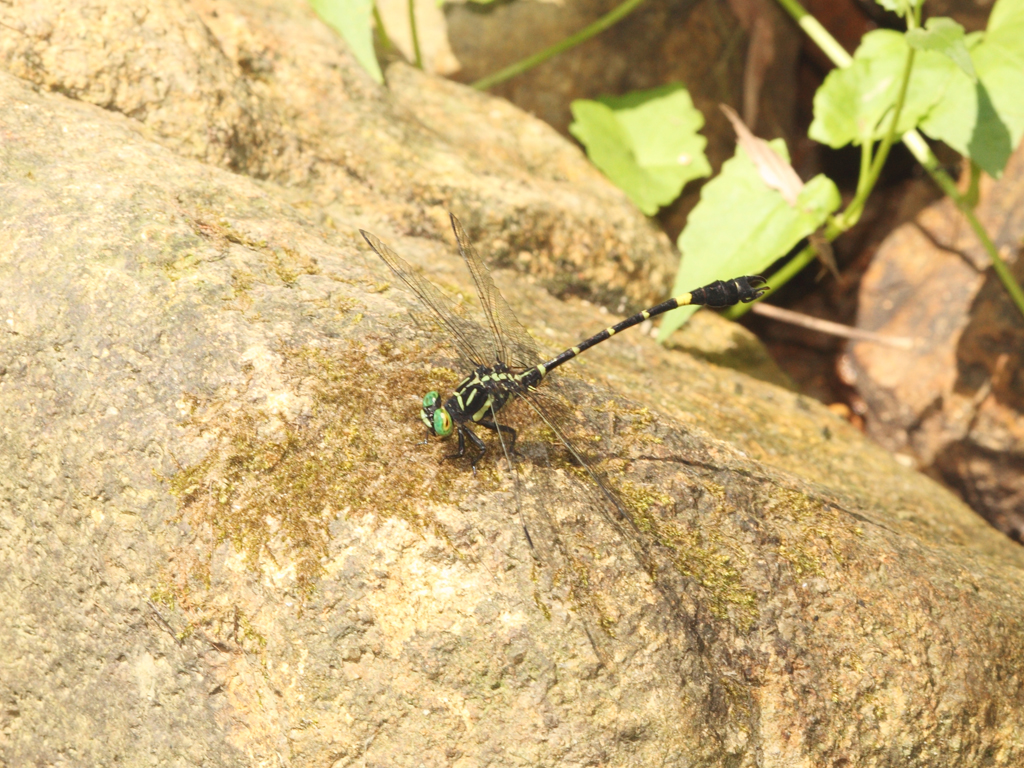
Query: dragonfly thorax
[{"x": 476, "y": 399}]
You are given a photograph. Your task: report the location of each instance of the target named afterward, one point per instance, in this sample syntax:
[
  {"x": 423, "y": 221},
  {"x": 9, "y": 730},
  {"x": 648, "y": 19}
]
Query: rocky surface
[
  {"x": 221, "y": 544},
  {"x": 270, "y": 94},
  {"x": 954, "y": 405}
]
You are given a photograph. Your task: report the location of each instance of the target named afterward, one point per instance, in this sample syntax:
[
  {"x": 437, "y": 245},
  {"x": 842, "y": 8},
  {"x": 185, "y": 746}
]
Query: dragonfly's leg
[
  {"x": 461, "y": 451},
  {"x": 506, "y": 432},
  {"x": 480, "y": 444}
]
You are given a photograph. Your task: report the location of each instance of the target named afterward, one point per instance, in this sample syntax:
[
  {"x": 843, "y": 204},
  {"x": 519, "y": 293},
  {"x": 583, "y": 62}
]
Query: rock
[
  {"x": 954, "y": 405},
  {"x": 221, "y": 542},
  {"x": 271, "y": 94}
]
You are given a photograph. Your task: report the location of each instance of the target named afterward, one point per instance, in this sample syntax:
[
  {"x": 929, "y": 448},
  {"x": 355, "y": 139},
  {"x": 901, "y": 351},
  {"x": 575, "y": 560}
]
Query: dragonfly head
[{"x": 435, "y": 415}]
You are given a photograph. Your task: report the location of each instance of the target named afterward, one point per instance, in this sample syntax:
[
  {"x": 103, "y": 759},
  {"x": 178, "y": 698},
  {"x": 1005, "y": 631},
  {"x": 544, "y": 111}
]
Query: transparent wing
[
  {"x": 473, "y": 343},
  {"x": 614, "y": 511},
  {"x": 485, "y": 289},
  {"x": 575, "y": 539},
  {"x": 585, "y": 555},
  {"x": 513, "y": 467},
  {"x": 514, "y": 345}
]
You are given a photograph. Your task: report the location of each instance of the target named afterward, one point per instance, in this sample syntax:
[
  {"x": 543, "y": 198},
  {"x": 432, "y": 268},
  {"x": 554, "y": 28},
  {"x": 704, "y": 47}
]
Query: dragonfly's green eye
[
  {"x": 437, "y": 419},
  {"x": 442, "y": 423}
]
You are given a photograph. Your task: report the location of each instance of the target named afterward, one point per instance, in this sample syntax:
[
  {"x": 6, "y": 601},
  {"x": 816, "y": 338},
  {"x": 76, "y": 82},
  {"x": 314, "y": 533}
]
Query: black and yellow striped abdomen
[{"x": 721, "y": 293}]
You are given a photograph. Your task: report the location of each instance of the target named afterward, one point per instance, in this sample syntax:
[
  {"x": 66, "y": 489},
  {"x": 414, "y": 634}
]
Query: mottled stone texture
[
  {"x": 220, "y": 543},
  {"x": 954, "y": 403}
]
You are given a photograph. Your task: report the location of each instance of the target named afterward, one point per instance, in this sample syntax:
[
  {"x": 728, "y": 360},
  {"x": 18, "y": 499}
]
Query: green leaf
[
  {"x": 1006, "y": 24},
  {"x": 741, "y": 226},
  {"x": 351, "y": 20},
  {"x": 947, "y": 37},
  {"x": 645, "y": 142},
  {"x": 855, "y": 104},
  {"x": 984, "y": 120}
]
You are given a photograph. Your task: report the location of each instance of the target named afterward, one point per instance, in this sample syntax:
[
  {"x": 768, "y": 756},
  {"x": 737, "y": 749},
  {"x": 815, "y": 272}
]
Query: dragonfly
[{"x": 504, "y": 362}]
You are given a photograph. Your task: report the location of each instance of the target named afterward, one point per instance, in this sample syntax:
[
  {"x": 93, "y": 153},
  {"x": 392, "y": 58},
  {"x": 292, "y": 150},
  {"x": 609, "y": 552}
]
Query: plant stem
[
  {"x": 833, "y": 329},
  {"x": 828, "y": 44},
  {"x": 417, "y": 57},
  {"x": 609, "y": 19},
  {"x": 946, "y": 184},
  {"x": 973, "y": 193},
  {"x": 865, "y": 165},
  {"x": 866, "y": 183},
  {"x": 890, "y": 135}
]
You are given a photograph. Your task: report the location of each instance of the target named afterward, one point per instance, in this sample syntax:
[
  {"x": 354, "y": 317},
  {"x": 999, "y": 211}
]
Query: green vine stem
[
  {"x": 417, "y": 56},
  {"x": 866, "y": 184},
  {"x": 926, "y": 157},
  {"x": 973, "y": 193},
  {"x": 828, "y": 44},
  {"x": 609, "y": 19}
]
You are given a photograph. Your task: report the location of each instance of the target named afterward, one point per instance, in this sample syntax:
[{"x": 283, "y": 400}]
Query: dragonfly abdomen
[{"x": 721, "y": 293}]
